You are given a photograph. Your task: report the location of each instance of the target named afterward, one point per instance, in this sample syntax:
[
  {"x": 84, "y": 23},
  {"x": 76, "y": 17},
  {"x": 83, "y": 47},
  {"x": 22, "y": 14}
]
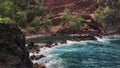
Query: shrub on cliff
[
  {"x": 113, "y": 4},
  {"x": 6, "y": 20},
  {"x": 34, "y": 10},
  {"x": 21, "y": 11},
  {"x": 36, "y": 23},
  {"x": 101, "y": 14},
  {"x": 78, "y": 22},
  {"x": 21, "y": 18},
  {"x": 31, "y": 30},
  {"x": 101, "y": 2},
  {"x": 39, "y": 23},
  {"x": 46, "y": 24},
  {"x": 108, "y": 14},
  {"x": 72, "y": 21},
  {"x": 6, "y": 8},
  {"x": 117, "y": 5},
  {"x": 67, "y": 17}
]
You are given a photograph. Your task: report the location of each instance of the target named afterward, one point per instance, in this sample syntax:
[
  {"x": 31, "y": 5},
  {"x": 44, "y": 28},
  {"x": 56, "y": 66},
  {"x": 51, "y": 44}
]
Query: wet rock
[
  {"x": 48, "y": 44},
  {"x": 36, "y": 57},
  {"x": 32, "y": 57},
  {"x": 54, "y": 44},
  {"x": 32, "y": 47},
  {"x": 12, "y": 48},
  {"x": 39, "y": 57},
  {"x": 82, "y": 38}
]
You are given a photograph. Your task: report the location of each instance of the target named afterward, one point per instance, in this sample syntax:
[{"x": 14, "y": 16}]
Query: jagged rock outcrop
[{"x": 12, "y": 48}]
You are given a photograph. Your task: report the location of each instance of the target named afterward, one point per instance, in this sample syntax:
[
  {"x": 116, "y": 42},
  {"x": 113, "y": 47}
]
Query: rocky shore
[
  {"x": 34, "y": 48},
  {"x": 36, "y": 43},
  {"x": 14, "y": 53}
]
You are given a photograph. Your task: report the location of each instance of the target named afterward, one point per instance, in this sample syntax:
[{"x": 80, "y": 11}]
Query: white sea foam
[
  {"x": 100, "y": 39},
  {"x": 107, "y": 39},
  {"x": 56, "y": 63},
  {"x": 30, "y": 54},
  {"x": 103, "y": 39},
  {"x": 69, "y": 42}
]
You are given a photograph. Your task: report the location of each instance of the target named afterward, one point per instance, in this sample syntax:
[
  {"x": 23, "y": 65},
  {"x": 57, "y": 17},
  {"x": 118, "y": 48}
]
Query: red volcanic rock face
[
  {"x": 56, "y": 7},
  {"x": 80, "y": 6}
]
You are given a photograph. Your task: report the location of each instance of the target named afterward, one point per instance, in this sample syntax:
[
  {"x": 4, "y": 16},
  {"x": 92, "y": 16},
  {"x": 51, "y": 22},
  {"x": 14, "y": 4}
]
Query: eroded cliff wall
[
  {"x": 87, "y": 9},
  {"x": 80, "y": 6}
]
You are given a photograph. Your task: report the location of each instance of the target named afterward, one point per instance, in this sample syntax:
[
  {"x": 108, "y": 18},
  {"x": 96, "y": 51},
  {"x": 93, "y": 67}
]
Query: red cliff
[
  {"x": 56, "y": 7},
  {"x": 80, "y": 6}
]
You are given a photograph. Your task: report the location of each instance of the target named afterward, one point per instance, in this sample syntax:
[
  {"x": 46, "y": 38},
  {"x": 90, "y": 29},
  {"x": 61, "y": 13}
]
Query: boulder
[
  {"x": 37, "y": 57},
  {"x": 32, "y": 47}
]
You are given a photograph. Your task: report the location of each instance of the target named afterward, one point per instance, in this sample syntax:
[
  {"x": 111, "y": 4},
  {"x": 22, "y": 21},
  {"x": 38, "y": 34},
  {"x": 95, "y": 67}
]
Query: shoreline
[
  {"x": 48, "y": 34},
  {"x": 35, "y": 36},
  {"x": 36, "y": 55},
  {"x": 56, "y": 44}
]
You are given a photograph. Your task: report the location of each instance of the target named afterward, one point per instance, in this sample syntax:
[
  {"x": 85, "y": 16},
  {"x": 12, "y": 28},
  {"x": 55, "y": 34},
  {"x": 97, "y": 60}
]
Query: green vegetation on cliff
[
  {"x": 72, "y": 21},
  {"x": 24, "y": 13},
  {"x": 32, "y": 16},
  {"x": 106, "y": 13}
]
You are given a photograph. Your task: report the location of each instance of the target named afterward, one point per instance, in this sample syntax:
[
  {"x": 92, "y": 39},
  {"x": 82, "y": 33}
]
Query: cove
[{"x": 102, "y": 53}]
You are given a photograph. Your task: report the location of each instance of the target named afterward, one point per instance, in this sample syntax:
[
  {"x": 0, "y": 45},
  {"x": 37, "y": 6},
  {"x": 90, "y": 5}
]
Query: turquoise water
[{"x": 103, "y": 53}]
